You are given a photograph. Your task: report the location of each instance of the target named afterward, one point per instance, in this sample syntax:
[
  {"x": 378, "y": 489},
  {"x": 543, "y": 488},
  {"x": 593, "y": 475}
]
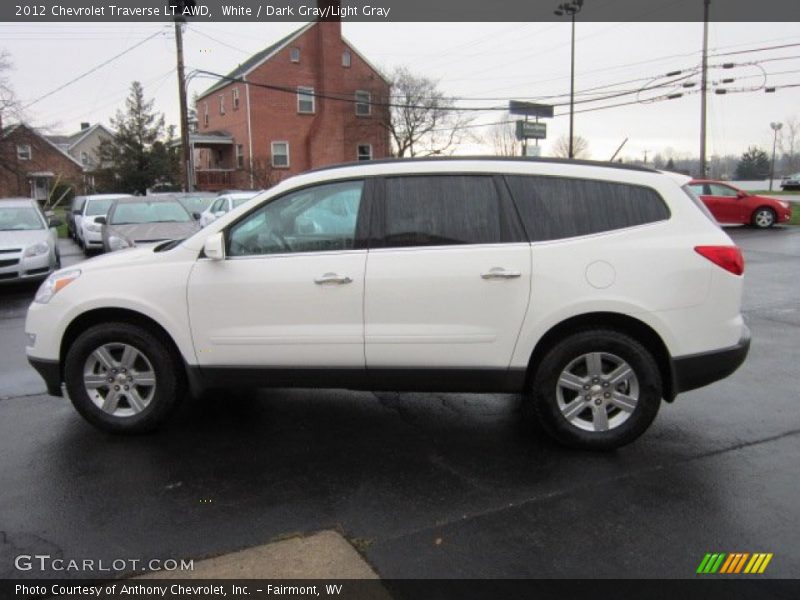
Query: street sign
[
  {"x": 530, "y": 109},
  {"x": 528, "y": 130},
  {"x": 532, "y": 150}
]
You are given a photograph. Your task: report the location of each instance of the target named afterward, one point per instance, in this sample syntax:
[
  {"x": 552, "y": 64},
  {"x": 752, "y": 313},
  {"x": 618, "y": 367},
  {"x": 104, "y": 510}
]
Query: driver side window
[{"x": 317, "y": 219}]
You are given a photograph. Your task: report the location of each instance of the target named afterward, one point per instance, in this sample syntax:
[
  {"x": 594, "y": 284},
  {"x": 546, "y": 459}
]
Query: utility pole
[
  {"x": 571, "y": 8},
  {"x": 703, "y": 90},
  {"x": 776, "y": 127},
  {"x": 185, "y": 156}
]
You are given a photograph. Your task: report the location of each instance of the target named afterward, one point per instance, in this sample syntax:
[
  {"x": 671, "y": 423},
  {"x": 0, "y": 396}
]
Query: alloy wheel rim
[
  {"x": 764, "y": 218},
  {"x": 119, "y": 379},
  {"x": 598, "y": 391}
]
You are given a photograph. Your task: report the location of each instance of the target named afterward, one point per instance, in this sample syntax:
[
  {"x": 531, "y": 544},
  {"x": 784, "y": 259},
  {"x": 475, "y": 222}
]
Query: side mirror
[
  {"x": 77, "y": 211},
  {"x": 214, "y": 247},
  {"x": 54, "y": 222},
  {"x": 196, "y": 216},
  {"x": 741, "y": 194},
  {"x": 101, "y": 221}
]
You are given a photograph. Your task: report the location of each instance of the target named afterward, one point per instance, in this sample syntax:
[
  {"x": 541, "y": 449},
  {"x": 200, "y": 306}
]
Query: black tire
[
  {"x": 763, "y": 218},
  {"x": 543, "y": 404},
  {"x": 165, "y": 395}
]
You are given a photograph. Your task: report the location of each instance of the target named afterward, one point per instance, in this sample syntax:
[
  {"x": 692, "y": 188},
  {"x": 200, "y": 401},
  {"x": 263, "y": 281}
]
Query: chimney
[
  {"x": 333, "y": 13},
  {"x": 85, "y": 126}
]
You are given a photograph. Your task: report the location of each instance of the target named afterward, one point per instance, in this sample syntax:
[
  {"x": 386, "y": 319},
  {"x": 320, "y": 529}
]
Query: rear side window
[
  {"x": 557, "y": 207},
  {"x": 441, "y": 210}
]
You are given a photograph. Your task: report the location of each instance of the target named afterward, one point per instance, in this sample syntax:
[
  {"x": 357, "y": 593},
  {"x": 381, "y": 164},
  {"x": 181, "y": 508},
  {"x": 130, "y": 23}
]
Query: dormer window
[
  {"x": 346, "y": 59},
  {"x": 294, "y": 54}
]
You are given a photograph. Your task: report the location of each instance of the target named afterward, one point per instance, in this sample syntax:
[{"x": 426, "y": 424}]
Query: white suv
[{"x": 595, "y": 291}]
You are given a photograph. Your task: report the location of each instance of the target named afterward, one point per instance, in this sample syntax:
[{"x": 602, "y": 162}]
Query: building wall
[
  {"x": 44, "y": 157},
  {"x": 328, "y": 136}
]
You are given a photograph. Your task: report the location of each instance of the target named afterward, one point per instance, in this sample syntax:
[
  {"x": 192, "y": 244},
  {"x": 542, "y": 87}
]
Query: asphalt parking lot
[{"x": 423, "y": 485}]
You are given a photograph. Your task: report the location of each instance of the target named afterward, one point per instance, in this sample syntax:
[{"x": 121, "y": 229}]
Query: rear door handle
[
  {"x": 500, "y": 273},
  {"x": 332, "y": 279}
]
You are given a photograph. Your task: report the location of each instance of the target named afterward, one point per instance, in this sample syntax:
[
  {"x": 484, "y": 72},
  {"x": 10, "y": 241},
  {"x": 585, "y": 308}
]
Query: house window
[
  {"x": 239, "y": 156},
  {"x": 294, "y": 55},
  {"x": 364, "y": 152},
  {"x": 305, "y": 99},
  {"x": 205, "y": 114},
  {"x": 236, "y": 98},
  {"x": 23, "y": 151},
  {"x": 346, "y": 59},
  {"x": 280, "y": 154},
  {"x": 222, "y": 104},
  {"x": 85, "y": 159},
  {"x": 363, "y": 103}
]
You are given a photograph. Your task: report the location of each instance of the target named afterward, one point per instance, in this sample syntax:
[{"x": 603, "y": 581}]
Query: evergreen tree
[
  {"x": 138, "y": 156},
  {"x": 754, "y": 164}
]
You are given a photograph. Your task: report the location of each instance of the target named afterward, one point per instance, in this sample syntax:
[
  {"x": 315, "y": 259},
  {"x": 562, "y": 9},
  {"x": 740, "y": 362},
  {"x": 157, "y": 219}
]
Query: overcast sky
[{"x": 470, "y": 60}]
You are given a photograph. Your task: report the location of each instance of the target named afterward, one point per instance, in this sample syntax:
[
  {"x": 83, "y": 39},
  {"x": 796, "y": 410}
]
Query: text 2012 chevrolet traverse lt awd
[{"x": 595, "y": 291}]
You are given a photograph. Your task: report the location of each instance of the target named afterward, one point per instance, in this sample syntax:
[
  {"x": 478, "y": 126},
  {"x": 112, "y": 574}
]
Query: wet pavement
[{"x": 424, "y": 485}]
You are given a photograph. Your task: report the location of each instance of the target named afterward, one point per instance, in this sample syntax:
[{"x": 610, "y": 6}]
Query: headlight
[
  {"x": 54, "y": 284},
  {"x": 36, "y": 250},
  {"x": 94, "y": 227},
  {"x": 117, "y": 242}
]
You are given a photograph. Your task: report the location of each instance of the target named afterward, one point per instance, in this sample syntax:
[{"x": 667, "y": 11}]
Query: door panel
[
  {"x": 724, "y": 203},
  {"x": 268, "y": 311},
  {"x": 444, "y": 307}
]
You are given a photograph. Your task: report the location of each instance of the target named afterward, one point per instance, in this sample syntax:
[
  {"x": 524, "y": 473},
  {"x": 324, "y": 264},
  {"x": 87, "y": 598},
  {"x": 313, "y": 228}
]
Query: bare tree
[
  {"x": 503, "y": 138},
  {"x": 580, "y": 147},
  {"x": 9, "y": 105},
  {"x": 789, "y": 144},
  {"x": 422, "y": 121},
  {"x": 262, "y": 174}
]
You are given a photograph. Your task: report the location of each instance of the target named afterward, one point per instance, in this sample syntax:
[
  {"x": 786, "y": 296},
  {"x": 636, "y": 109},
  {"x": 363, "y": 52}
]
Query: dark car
[
  {"x": 134, "y": 221},
  {"x": 76, "y": 207},
  {"x": 730, "y": 205}
]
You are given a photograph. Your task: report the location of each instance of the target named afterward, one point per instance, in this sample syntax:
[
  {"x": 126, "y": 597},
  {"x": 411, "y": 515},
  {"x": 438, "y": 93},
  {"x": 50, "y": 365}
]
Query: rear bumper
[
  {"x": 50, "y": 371},
  {"x": 697, "y": 370}
]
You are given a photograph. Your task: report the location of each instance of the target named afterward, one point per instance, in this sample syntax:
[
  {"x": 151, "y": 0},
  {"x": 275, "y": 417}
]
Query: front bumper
[
  {"x": 697, "y": 370},
  {"x": 25, "y": 268},
  {"x": 50, "y": 371}
]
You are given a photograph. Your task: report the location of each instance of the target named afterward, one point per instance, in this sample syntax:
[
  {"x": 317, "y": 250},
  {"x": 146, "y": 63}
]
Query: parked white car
[
  {"x": 89, "y": 232},
  {"x": 594, "y": 290},
  {"x": 223, "y": 205},
  {"x": 28, "y": 241}
]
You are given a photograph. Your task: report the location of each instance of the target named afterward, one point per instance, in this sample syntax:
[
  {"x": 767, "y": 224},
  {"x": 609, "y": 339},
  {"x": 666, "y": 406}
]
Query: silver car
[
  {"x": 140, "y": 220},
  {"x": 28, "y": 241}
]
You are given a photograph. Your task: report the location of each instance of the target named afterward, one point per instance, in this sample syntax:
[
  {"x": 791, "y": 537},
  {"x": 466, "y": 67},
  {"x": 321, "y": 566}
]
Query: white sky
[{"x": 497, "y": 60}]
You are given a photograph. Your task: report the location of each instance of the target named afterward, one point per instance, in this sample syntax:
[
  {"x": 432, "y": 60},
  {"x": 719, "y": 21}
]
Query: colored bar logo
[{"x": 734, "y": 563}]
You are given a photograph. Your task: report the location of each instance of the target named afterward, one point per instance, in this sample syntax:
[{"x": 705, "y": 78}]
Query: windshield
[
  {"x": 197, "y": 204},
  {"x": 20, "y": 218},
  {"x": 98, "y": 207},
  {"x": 158, "y": 211}
]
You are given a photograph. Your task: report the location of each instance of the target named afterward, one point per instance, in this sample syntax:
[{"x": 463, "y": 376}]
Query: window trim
[
  {"x": 367, "y": 103},
  {"x": 294, "y": 54},
  {"x": 205, "y": 113},
  {"x": 358, "y": 154},
  {"x": 222, "y": 104},
  {"x": 21, "y": 152},
  {"x": 236, "y": 100},
  {"x": 305, "y": 90},
  {"x": 272, "y": 155},
  {"x": 239, "y": 154},
  {"x": 347, "y": 59}
]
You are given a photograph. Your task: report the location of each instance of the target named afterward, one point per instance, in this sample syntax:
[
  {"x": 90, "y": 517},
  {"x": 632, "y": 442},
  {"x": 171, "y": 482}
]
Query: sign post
[{"x": 527, "y": 130}]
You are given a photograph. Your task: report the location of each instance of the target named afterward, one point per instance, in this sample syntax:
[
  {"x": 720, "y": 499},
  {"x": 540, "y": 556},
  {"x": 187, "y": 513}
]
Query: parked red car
[{"x": 730, "y": 205}]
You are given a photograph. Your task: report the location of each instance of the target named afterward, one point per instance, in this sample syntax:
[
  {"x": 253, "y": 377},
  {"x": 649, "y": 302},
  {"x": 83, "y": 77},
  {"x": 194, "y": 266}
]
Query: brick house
[
  {"x": 319, "y": 109},
  {"x": 31, "y": 165}
]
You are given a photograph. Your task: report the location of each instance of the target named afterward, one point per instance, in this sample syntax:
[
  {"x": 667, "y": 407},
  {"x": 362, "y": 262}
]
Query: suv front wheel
[
  {"x": 597, "y": 389},
  {"x": 122, "y": 378}
]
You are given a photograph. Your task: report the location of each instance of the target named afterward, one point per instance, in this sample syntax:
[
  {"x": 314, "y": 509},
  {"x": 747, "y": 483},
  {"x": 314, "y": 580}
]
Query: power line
[{"x": 90, "y": 71}]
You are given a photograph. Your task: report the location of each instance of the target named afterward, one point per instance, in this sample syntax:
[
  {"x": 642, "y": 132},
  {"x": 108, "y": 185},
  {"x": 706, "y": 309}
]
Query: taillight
[{"x": 728, "y": 257}]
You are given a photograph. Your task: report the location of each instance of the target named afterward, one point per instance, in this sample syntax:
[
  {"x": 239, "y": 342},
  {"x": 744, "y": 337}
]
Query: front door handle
[
  {"x": 500, "y": 273},
  {"x": 332, "y": 279}
]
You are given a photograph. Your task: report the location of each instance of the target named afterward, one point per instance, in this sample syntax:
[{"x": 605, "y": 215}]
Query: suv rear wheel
[
  {"x": 122, "y": 378},
  {"x": 598, "y": 389}
]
